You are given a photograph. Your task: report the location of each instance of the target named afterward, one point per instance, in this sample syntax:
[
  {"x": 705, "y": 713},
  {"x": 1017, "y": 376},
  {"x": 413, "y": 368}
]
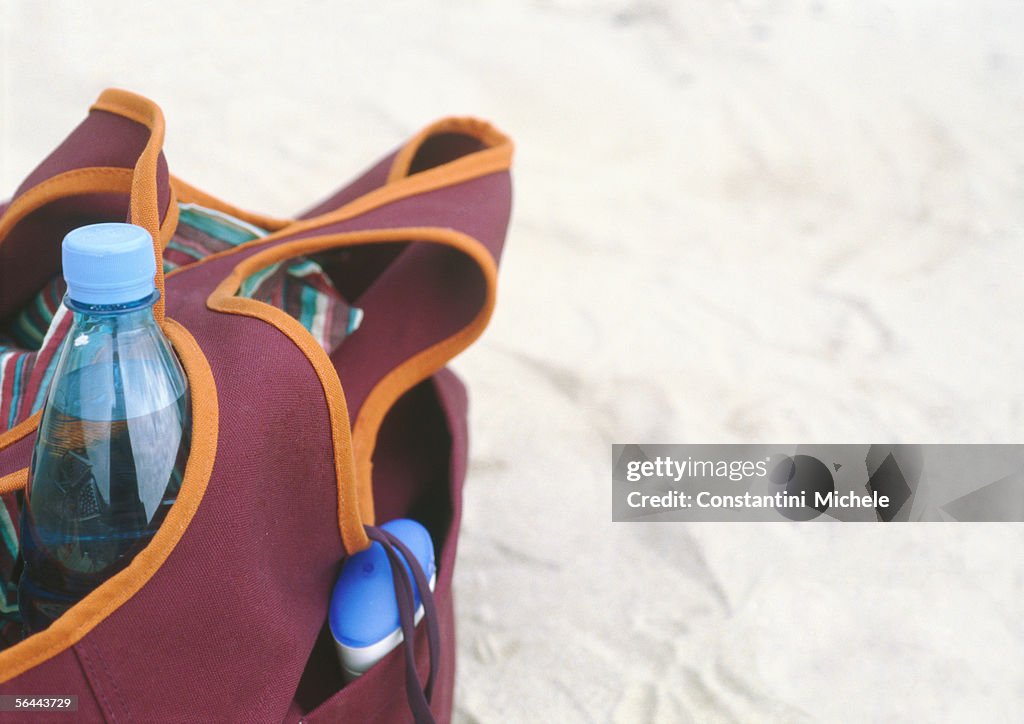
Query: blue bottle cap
[
  {"x": 364, "y": 610},
  {"x": 108, "y": 263}
]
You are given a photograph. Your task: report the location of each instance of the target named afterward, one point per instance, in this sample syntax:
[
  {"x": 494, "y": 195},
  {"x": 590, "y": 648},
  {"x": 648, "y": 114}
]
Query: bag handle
[
  {"x": 379, "y": 388},
  {"x": 110, "y": 166},
  {"x": 151, "y": 194},
  {"x": 443, "y": 260}
]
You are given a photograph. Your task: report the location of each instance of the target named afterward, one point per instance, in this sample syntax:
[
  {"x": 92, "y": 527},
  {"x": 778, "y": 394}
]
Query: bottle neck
[{"x": 137, "y": 312}]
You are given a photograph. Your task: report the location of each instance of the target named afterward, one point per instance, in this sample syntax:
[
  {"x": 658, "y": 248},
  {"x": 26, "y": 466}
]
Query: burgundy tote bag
[{"x": 296, "y": 451}]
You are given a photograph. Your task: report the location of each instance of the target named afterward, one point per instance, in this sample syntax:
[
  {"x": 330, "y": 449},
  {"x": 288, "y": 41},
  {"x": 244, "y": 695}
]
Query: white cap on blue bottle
[
  {"x": 364, "y": 611},
  {"x": 108, "y": 263}
]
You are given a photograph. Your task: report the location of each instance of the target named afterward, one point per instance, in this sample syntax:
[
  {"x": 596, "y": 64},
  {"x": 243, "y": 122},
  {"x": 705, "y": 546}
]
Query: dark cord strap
[
  {"x": 429, "y": 612},
  {"x": 418, "y": 694}
]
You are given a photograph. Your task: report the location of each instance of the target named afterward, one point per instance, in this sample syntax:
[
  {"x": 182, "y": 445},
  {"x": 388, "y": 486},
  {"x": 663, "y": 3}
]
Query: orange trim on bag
[
  {"x": 101, "y": 603},
  {"x": 92, "y": 180},
  {"x": 467, "y": 126},
  {"x": 15, "y": 481},
  {"x": 420, "y": 366},
  {"x": 482, "y": 163},
  {"x": 187, "y": 193},
  {"x": 223, "y": 299},
  {"x": 144, "y": 194},
  {"x": 22, "y": 429},
  {"x": 354, "y": 450}
]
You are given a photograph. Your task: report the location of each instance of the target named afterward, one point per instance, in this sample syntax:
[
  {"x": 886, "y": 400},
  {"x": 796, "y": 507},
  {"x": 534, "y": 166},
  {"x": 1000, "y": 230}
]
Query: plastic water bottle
[
  {"x": 363, "y": 615},
  {"x": 114, "y": 436}
]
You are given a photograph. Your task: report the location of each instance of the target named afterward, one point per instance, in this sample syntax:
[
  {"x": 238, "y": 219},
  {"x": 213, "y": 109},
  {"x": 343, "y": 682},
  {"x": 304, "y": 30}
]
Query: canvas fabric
[{"x": 297, "y": 446}]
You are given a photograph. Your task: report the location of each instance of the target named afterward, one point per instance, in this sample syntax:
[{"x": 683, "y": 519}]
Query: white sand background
[{"x": 772, "y": 221}]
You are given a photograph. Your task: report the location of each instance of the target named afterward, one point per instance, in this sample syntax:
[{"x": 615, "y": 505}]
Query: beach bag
[{"x": 299, "y": 446}]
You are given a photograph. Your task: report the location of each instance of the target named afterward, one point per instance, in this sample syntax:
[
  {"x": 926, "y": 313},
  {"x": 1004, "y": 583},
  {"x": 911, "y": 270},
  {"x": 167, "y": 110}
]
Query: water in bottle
[{"x": 111, "y": 447}]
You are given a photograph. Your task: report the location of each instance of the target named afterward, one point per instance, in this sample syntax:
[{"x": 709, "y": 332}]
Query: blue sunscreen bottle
[{"x": 363, "y": 613}]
